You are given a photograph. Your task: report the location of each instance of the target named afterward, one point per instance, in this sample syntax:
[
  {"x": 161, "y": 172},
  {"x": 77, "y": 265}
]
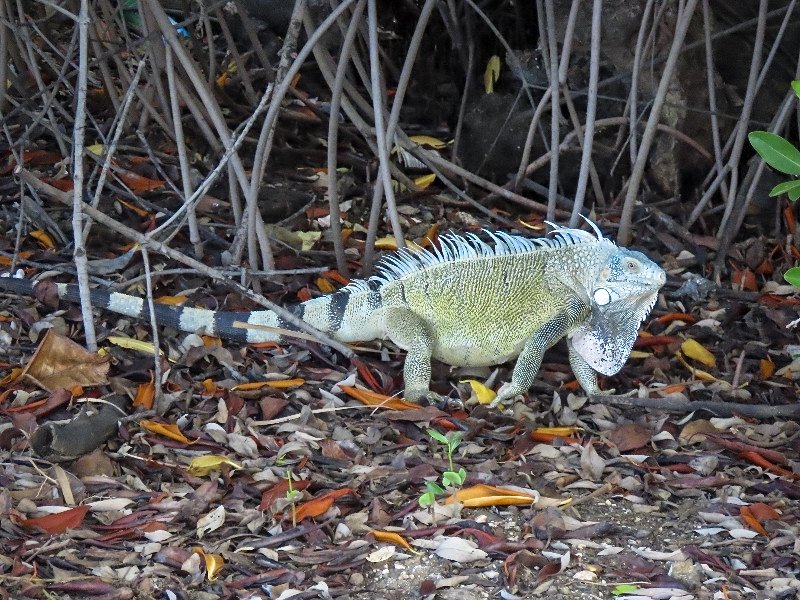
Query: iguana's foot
[
  {"x": 508, "y": 391},
  {"x": 424, "y": 397}
]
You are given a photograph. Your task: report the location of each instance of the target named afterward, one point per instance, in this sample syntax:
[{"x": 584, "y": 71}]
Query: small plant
[
  {"x": 450, "y": 478},
  {"x": 783, "y": 156},
  {"x": 292, "y": 495}
]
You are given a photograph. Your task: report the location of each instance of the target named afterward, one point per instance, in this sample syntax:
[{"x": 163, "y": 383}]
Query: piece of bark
[{"x": 83, "y": 433}]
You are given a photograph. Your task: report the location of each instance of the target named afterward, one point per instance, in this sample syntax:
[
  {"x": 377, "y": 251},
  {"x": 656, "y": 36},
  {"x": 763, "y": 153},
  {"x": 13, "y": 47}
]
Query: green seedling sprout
[
  {"x": 450, "y": 478},
  {"x": 292, "y": 495}
]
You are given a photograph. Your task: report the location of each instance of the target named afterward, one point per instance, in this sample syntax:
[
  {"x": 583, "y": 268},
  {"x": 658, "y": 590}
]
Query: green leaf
[
  {"x": 453, "y": 479},
  {"x": 793, "y": 276},
  {"x": 454, "y": 440},
  {"x": 777, "y": 152},
  {"x": 796, "y": 87},
  {"x": 427, "y": 499},
  {"x": 434, "y": 488},
  {"x": 437, "y": 436},
  {"x": 624, "y": 588},
  {"x": 792, "y": 188}
]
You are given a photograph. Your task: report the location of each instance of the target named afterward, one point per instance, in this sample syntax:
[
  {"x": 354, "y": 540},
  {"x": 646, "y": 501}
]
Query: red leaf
[{"x": 59, "y": 522}]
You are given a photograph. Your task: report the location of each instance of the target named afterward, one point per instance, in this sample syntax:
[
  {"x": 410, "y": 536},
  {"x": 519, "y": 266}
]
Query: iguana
[{"x": 464, "y": 303}]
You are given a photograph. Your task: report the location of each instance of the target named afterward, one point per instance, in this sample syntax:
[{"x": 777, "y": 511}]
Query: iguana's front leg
[
  {"x": 584, "y": 373},
  {"x": 530, "y": 359},
  {"x": 409, "y": 331}
]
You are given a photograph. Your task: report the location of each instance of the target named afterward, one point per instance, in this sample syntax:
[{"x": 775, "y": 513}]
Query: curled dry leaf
[{"x": 61, "y": 363}]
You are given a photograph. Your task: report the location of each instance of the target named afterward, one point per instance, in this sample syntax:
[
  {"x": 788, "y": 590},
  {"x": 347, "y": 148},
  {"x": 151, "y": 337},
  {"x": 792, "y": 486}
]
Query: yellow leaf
[
  {"x": 43, "y": 238},
  {"x": 171, "y": 300},
  {"x": 96, "y": 149},
  {"x": 132, "y": 344},
  {"x": 695, "y": 350},
  {"x": 425, "y": 181},
  {"x": 491, "y": 74},
  {"x": 203, "y": 465},
  {"x": 428, "y": 140},
  {"x": 325, "y": 286},
  {"x": 13, "y": 374},
  {"x": 214, "y": 563},
  {"x": 697, "y": 373},
  {"x": 307, "y": 239},
  {"x": 386, "y": 243},
  {"x": 482, "y": 393}
]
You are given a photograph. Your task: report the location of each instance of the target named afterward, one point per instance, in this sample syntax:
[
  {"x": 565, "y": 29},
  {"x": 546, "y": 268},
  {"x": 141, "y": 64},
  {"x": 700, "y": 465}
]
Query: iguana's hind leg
[{"x": 409, "y": 331}]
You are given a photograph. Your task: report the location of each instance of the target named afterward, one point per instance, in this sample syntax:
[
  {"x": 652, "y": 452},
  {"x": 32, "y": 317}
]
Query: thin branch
[
  {"x": 591, "y": 111},
  {"x": 637, "y": 174}
]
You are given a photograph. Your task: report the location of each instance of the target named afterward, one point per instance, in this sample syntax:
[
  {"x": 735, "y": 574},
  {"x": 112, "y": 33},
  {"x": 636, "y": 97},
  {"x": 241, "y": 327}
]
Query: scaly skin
[{"x": 465, "y": 304}]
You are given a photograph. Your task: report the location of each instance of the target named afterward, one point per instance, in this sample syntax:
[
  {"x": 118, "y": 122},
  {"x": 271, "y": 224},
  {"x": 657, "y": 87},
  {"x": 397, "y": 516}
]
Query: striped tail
[{"x": 345, "y": 315}]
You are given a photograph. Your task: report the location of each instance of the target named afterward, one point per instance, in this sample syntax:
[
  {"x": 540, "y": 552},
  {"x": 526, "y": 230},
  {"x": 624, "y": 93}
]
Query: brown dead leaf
[
  {"x": 629, "y": 436},
  {"x": 61, "y": 363},
  {"x": 694, "y": 432}
]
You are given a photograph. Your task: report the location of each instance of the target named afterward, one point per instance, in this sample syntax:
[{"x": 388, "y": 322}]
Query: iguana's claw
[{"x": 424, "y": 397}]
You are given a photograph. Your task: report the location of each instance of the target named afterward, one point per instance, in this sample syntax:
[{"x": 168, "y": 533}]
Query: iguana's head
[
  {"x": 626, "y": 275},
  {"x": 623, "y": 292}
]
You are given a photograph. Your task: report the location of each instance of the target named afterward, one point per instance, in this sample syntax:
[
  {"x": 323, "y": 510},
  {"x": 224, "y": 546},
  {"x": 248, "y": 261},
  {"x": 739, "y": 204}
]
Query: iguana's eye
[{"x": 632, "y": 265}]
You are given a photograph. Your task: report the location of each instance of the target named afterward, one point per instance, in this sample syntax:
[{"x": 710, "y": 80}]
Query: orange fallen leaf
[
  {"x": 766, "y": 368},
  {"x": 138, "y": 210},
  {"x": 482, "y": 495},
  {"x": 390, "y": 537},
  {"x": 169, "y": 430},
  {"x": 274, "y": 383},
  {"x": 751, "y": 521},
  {"x": 764, "y": 512},
  {"x": 137, "y": 183},
  {"x": 319, "y": 506},
  {"x": 548, "y": 435},
  {"x": 758, "y": 460},
  {"x": 145, "y": 394},
  {"x": 58, "y": 522},
  {"x": 334, "y": 275},
  {"x": 376, "y": 399},
  {"x": 675, "y": 316}
]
